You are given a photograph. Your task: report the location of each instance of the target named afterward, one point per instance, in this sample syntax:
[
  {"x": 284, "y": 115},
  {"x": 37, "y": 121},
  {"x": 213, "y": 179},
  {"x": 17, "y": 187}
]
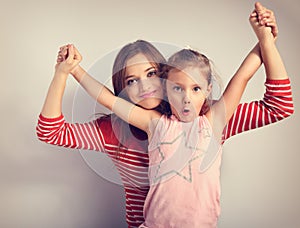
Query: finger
[
  {"x": 269, "y": 21},
  {"x": 253, "y": 16},
  {"x": 63, "y": 52},
  {"x": 59, "y": 59},
  {"x": 77, "y": 55},
  {"x": 268, "y": 18},
  {"x": 61, "y": 56},
  {"x": 265, "y": 21},
  {"x": 264, "y": 15},
  {"x": 259, "y": 7},
  {"x": 70, "y": 52},
  {"x": 273, "y": 25},
  {"x": 63, "y": 47},
  {"x": 274, "y": 29},
  {"x": 260, "y": 10},
  {"x": 253, "y": 13}
]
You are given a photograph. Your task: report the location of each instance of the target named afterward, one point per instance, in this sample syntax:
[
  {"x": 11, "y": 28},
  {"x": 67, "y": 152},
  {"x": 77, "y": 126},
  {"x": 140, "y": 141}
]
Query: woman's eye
[
  {"x": 152, "y": 73},
  {"x": 131, "y": 82},
  {"x": 177, "y": 88}
]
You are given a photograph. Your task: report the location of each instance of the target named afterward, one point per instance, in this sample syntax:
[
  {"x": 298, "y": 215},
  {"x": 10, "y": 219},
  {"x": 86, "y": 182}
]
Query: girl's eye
[
  {"x": 152, "y": 73},
  {"x": 197, "y": 89},
  {"x": 131, "y": 82}
]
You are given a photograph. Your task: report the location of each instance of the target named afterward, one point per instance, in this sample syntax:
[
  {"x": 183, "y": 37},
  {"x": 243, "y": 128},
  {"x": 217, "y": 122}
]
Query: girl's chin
[{"x": 186, "y": 118}]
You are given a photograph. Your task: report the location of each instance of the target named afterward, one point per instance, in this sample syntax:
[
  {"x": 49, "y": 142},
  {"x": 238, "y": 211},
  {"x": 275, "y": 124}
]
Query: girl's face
[
  {"x": 143, "y": 85},
  {"x": 187, "y": 91}
]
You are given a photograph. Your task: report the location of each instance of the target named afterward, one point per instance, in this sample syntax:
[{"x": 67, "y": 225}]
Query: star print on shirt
[{"x": 177, "y": 156}]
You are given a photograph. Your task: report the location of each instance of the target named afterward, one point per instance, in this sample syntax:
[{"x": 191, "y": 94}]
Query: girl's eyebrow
[
  {"x": 130, "y": 76},
  {"x": 150, "y": 68},
  {"x": 183, "y": 84}
]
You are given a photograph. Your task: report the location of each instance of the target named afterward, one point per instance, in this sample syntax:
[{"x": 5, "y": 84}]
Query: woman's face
[{"x": 142, "y": 83}]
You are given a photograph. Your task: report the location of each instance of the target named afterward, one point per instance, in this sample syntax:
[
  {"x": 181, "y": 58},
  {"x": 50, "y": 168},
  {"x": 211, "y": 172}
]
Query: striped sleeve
[
  {"x": 276, "y": 105},
  {"x": 56, "y": 131}
]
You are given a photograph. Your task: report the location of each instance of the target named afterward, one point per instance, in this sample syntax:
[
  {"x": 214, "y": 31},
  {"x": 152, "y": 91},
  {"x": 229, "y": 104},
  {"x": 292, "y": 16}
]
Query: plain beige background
[{"x": 48, "y": 186}]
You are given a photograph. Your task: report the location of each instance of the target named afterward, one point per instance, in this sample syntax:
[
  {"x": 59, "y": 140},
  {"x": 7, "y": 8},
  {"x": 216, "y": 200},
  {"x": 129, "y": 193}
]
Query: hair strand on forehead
[{"x": 188, "y": 57}]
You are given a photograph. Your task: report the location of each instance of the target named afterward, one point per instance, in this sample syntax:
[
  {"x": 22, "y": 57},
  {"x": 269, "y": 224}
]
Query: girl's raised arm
[{"x": 127, "y": 111}]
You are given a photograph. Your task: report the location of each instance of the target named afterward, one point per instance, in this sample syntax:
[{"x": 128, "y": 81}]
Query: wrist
[
  {"x": 267, "y": 40},
  {"x": 60, "y": 77},
  {"x": 78, "y": 72}
]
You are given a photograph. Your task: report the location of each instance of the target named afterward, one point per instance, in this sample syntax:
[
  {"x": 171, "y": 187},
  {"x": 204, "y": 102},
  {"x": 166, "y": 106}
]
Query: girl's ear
[{"x": 209, "y": 89}]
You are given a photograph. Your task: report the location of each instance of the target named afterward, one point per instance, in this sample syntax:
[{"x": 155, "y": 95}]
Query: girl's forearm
[
  {"x": 238, "y": 82},
  {"x": 94, "y": 88},
  {"x": 127, "y": 111},
  {"x": 250, "y": 64}
]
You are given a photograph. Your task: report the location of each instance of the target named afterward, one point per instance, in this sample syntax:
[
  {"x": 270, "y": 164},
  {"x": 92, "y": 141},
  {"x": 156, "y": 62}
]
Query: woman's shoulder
[{"x": 104, "y": 119}]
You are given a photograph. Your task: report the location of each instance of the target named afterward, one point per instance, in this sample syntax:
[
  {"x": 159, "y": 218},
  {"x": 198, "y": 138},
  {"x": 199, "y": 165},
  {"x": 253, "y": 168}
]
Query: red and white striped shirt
[{"x": 132, "y": 160}]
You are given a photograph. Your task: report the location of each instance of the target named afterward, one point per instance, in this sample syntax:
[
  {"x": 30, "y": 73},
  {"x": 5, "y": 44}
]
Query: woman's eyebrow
[{"x": 130, "y": 76}]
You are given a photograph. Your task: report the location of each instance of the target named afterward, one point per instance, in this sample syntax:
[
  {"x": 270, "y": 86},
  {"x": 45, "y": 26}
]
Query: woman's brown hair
[{"x": 118, "y": 80}]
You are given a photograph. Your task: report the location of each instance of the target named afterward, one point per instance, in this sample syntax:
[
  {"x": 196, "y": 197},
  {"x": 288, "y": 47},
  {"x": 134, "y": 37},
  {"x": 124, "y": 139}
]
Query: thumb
[
  {"x": 260, "y": 11},
  {"x": 258, "y": 7},
  {"x": 71, "y": 52},
  {"x": 77, "y": 55}
]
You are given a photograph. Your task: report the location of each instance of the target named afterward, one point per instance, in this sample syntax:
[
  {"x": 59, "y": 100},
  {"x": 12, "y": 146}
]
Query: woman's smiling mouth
[{"x": 148, "y": 95}]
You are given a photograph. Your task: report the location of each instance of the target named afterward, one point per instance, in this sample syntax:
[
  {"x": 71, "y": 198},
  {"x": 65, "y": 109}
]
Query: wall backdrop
[{"x": 48, "y": 186}]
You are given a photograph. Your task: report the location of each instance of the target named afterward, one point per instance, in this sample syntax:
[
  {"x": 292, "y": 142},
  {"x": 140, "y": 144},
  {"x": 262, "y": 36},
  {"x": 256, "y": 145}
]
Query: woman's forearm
[
  {"x": 53, "y": 103},
  {"x": 273, "y": 63}
]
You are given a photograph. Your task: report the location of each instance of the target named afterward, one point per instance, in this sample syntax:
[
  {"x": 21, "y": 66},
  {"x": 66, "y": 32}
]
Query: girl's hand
[
  {"x": 68, "y": 59},
  {"x": 259, "y": 25},
  {"x": 265, "y": 17},
  {"x": 62, "y": 54}
]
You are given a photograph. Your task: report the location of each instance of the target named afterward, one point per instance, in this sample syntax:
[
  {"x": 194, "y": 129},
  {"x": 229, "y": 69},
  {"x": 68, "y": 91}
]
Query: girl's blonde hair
[{"x": 191, "y": 58}]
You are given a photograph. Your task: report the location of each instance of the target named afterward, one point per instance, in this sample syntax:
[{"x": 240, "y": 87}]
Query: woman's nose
[{"x": 145, "y": 85}]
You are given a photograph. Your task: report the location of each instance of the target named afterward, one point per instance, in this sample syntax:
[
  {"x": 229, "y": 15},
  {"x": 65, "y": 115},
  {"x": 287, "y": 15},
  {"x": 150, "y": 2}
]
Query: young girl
[
  {"x": 132, "y": 160},
  {"x": 178, "y": 145}
]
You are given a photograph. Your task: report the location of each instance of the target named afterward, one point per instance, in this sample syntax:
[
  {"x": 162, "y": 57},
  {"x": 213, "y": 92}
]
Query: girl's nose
[{"x": 186, "y": 99}]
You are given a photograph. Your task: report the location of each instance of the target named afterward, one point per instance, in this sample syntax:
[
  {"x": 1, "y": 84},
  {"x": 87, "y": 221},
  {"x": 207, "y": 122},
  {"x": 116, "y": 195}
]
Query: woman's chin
[{"x": 150, "y": 103}]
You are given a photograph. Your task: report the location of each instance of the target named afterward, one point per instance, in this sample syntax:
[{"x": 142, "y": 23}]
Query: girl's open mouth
[{"x": 185, "y": 111}]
